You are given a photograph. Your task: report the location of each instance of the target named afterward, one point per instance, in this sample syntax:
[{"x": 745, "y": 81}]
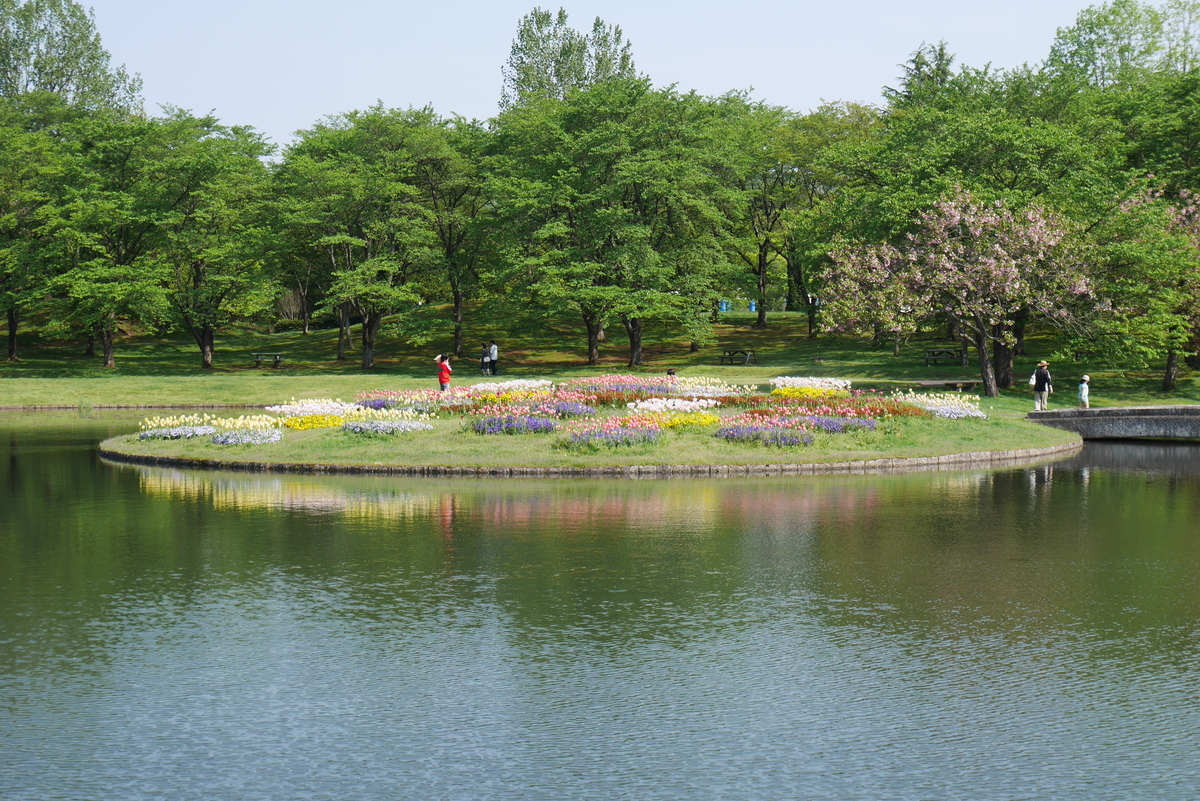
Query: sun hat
[
  {"x": 1043, "y": 364},
  {"x": 1087, "y": 378}
]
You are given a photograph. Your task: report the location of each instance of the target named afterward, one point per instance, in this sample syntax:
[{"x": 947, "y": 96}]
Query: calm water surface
[{"x": 1017, "y": 634}]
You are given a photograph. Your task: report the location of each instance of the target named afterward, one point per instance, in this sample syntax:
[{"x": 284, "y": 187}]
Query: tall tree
[
  {"x": 977, "y": 264},
  {"x": 549, "y": 58},
  {"x": 620, "y": 189},
  {"x": 31, "y": 166},
  {"x": 213, "y": 243},
  {"x": 134, "y": 181},
  {"x": 53, "y": 46},
  {"x": 352, "y": 201}
]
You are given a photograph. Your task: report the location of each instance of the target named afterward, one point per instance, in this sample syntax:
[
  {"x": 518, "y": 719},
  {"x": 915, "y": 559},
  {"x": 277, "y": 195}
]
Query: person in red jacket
[{"x": 444, "y": 370}]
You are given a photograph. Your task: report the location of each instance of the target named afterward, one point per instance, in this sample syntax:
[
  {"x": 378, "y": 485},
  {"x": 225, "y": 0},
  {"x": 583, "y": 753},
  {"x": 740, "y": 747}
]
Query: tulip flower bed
[{"x": 622, "y": 419}]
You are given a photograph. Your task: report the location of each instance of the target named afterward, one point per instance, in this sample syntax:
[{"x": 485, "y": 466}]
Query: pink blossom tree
[{"x": 977, "y": 264}]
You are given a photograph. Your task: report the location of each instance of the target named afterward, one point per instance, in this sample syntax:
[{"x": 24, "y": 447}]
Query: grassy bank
[
  {"x": 166, "y": 371},
  {"x": 450, "y": 444}
]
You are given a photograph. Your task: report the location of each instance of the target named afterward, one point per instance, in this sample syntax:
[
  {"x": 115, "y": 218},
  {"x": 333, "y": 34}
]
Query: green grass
[
  {"x": 450, "y": 444},
  {"x": 166, "y": 370}
]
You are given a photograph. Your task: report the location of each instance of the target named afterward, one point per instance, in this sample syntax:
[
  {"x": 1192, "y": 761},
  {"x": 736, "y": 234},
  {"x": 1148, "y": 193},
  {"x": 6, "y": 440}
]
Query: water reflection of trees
[{"x": 1021, "y": 554}]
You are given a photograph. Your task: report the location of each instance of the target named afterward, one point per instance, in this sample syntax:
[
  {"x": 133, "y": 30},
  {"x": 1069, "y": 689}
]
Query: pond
[{"x": 1002, "y": 634}]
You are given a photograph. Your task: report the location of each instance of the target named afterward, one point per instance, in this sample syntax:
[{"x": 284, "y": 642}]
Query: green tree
[
  {"x": 31, "y": 167},
  {"x": 137, "y": 186},
  {"x": 549, "y": 58},
  {"x": 623, "y": 207},
  {"x": 53, "y": 46},
  {"x": 352, "y": 201},
  {"x": 213, "y": 243}
]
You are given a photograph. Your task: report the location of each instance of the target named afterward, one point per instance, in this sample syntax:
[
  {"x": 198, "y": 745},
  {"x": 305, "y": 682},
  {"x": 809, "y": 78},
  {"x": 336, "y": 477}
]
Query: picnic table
[
  {"x": 738, "y": 356},
  {"x": 937, "y": 355},
  {"x": 275, "y": 358}
]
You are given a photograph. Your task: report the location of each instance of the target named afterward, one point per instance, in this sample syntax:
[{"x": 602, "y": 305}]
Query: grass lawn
[{"x": 156, "y": 371}]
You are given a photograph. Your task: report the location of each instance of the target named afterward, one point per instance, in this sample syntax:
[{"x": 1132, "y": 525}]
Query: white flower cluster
[
  {"x": 384, "y": 427},
  {"x": 515, "y": 385},
  {"x": 176, "y": 432},
  {"x": 952, "y": 405},
  {"x": 701, "y": 386},
  {"x": 309, "y": 406},
  {"x": 673, "y": 405},
  {"x": 248, "y": 436},
  {"x": 810, "y": 382}
]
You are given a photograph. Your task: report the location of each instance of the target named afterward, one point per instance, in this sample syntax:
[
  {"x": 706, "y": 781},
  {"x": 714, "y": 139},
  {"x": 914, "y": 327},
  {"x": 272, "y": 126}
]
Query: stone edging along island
[{"x": 953, "y": 461}]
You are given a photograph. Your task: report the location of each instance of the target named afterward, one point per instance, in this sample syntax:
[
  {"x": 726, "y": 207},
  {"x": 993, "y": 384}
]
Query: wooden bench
[
  {"x": 956, "y": 383},
  {"x": 275, "y": 358},
  {"x": 937, "y": 355},
  {"x": 738, "y": 356}
]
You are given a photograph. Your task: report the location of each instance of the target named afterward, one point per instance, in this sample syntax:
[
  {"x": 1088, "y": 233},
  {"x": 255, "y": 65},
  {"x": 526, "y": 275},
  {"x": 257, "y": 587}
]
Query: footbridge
[{"x": 1126, "y": 422}]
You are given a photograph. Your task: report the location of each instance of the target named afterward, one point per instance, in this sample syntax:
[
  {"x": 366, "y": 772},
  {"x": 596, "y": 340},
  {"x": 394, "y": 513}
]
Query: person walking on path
[
  {"x": 1041, "y": 386},
  {"x": 485, "y": 359},
  {"x": 444, "y": 371},
  {"x": 494, "y": 358},
  {"x": 1083, "y": 392}
]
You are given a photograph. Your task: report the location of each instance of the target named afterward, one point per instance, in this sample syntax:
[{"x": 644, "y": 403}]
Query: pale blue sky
[{"x": 282, "y": 66}]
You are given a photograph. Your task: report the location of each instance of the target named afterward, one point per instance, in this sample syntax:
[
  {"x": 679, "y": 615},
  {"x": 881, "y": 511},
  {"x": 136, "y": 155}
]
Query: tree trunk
[
  {"x": 1019, "y": 320},
  {"x": 1172, "y": 372},
  {"x": 595, "y": 332},
  {"x": 964, "y": 345},
  {"x": 89, "y": 344},
  {"x": 987, "y": 373},
  {"x": 106, "y": 345},
  {"x": 896, "y": 345},
  {"x": 633, "y": 328},
  {"x": 458, "y": 323},
  {"x": 204, "y": 337},
  {"x": 13, "y": 321},
  {"x": 760, "y": 272},
  {"x": 370, "y": 327},
  {"x": 1004, "y": 360},
  {"x": 811, "y": 308},
  {"x": 694, "y": 347},
  {"x": 345, "y": 337}
]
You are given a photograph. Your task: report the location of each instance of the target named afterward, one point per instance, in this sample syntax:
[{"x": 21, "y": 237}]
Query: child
[
  {"x": 1083, "y": 392},
  {"x": 444, "y": 371}
]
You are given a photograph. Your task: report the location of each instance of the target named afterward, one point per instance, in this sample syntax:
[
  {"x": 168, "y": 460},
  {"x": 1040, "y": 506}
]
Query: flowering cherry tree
[{"x": 977, "y": 264}]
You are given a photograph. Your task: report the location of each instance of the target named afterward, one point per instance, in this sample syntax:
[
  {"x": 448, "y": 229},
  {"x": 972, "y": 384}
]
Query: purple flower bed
[
  {"x": 377, "y": 404},
  {"x": 839, "y": 425},
  {"x": 764, "y": 435},
  {"x": 566, "y": 409},
  {"x": 515, "y": 424},
  {"x": 614, "y": 438}
]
